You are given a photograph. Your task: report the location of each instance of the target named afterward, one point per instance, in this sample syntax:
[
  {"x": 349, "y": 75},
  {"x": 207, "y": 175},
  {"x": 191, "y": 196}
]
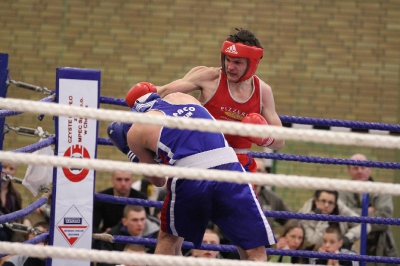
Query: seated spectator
[
  {"x": 292, "y": 239},
  {"x": 134, "y": 223},
  {"x": 109, "y": 214},
  {"x": 268, "y": 199},
  {"x": 10, "y": 200},
  {"x": 133, "y": 248},
  {"x": 20, "y": 260},
  {"x": 326, "y": 202},
  {"x": 380, "y": 241},
  {"x": 210, "y": 237},
  {"x": 332, "y": 242}
]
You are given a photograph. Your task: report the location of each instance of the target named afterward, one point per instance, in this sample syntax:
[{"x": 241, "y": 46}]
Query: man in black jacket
[
  {"x": 111, "y": 214},
  {"x": 134, "y": 223}
]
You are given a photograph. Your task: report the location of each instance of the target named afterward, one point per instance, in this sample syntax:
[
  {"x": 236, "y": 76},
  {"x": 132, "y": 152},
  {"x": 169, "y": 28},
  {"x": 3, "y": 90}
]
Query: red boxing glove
[
  {"x": 254, "y": 118},
  {"x": 138, "y": 91}
]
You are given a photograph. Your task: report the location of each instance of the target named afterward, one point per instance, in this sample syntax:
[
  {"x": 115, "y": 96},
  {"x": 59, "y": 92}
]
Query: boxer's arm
[
  {"x": 193, "y": 80},
  {"x": 137, "y": 138},
  {"x": 269, "y": 113}
]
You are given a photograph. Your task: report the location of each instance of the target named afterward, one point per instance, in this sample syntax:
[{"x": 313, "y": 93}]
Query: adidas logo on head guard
[{"x": 231, "y": 49}]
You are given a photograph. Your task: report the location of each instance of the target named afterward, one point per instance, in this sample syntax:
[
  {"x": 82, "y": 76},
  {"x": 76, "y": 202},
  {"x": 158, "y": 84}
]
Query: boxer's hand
[
  {"x": 138, "y": 91},
  {"x": 117, "y": 133},
  {"x": 254, "y": 118}
]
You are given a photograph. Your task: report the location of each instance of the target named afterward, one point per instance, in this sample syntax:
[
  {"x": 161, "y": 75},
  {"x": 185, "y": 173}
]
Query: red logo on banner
[{"x": 76, "y": 174}]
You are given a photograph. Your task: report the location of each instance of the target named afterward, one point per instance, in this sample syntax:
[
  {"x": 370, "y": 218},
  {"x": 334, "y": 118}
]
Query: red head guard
[{"x": 253, "y": 54}]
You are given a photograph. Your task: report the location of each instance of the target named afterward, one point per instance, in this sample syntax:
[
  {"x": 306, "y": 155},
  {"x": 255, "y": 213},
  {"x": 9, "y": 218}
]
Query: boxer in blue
[{"x": 190, "y": 204}]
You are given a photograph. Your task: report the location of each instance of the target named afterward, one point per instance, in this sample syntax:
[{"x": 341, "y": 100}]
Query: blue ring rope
[
  {"x": 271, "y": 251},
  {"x": 23, "y": 212},
  {"x": 274, "y": 214}
]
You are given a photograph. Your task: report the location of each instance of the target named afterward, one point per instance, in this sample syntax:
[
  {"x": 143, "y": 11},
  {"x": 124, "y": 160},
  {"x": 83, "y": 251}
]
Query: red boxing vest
[{"x": 223, "y": 107}]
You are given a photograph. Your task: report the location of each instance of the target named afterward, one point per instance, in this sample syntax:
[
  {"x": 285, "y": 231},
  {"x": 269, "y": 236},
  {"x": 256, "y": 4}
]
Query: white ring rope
[
  {"x": 233, "y": 128},
  {"x": 206, "y": 174},
  {"x": 39, "y": 251}
]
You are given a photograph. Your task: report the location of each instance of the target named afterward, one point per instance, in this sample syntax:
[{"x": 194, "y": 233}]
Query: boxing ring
[{"x": 47, "y": 107}]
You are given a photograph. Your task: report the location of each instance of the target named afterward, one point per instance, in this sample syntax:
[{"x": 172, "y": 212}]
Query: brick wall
[{"x": 329, "y": 59}]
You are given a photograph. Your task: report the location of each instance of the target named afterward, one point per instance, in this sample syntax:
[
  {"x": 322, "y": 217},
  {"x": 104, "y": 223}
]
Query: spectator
[
  {"x": 332, "y": 242},
  {"x": 20, "y": 260},
  {"x": 326, "y": 202},
  {"x": 134, "y": 223},
  {"x": 10, "y": 199},
  {"x": 133, "y": 248},
  {"x": 268, "y": 199},
  {"x": 110, "y": 214},
  {"x": 210, "y": 237},
  {"x": 380, "y": 241},
  {"x": 291, "y": 239}
]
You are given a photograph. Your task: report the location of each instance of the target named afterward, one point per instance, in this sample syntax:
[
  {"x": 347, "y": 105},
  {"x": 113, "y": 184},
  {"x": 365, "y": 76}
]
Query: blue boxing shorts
[{"x": 234, "y": 208}]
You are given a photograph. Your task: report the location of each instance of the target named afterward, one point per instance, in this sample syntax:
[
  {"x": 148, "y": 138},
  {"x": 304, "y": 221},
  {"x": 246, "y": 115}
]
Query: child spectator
[{"x": 332, "y": 242}]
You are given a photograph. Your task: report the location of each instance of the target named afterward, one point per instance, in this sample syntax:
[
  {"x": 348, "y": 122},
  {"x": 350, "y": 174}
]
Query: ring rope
[
  {"x": 233, "y": 128},
  {"x": 339, "y": 123},
  {"x": 269, "y": 213},
  {"x": 301, "y": 120},
  {"x": 6, "y": 113},
  {"x": 206, "y": 174},
  {"x": 302, "y": 158},
  {"x": 119, "y": 257},
  {"x": 36, "y": 146},
  {"x": 267, "y": 155},
  {"x": 25, "y": 211},
  {"x": 324, "y": 160},
  {"x": 232, "y": 248},
  {"x": 34, "y": 240}
]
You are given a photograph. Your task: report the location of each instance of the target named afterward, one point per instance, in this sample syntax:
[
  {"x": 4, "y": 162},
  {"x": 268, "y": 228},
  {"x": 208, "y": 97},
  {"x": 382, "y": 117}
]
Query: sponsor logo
[
  {"x": 72, "y": 226},
  {"x": 186, "y": 111},
  {"x": 234, "y": 116},
  {"x": 231, "y": 49},
  {"x": 233, "y": 113},
  {"x": 73, "y": 220},
  {"x": 76, "y": 174}
]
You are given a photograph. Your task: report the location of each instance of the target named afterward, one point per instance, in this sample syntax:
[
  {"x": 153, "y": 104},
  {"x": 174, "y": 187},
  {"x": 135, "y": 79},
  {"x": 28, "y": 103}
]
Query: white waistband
[
  {"x": 208, "y": 159},
  {"x": 241, "y": 151}
]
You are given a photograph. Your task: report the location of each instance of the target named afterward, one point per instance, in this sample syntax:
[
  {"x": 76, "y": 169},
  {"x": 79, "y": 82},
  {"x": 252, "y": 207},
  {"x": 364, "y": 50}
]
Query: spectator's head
[
  {"x": 325, "y": 202},
  {"x": 134, "y": 248},
  {"x": 360, "y": 173},
  {"x": 294, "y": 233},
  {"x": 122, "y": 182},
  {"x": 9, "y": 168},
  {"x": 42, "y": 227},
  {"x": 134, "y": 219},
  {"x": 210, "y": 237},
  {"x": 332, "y": 239}
]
